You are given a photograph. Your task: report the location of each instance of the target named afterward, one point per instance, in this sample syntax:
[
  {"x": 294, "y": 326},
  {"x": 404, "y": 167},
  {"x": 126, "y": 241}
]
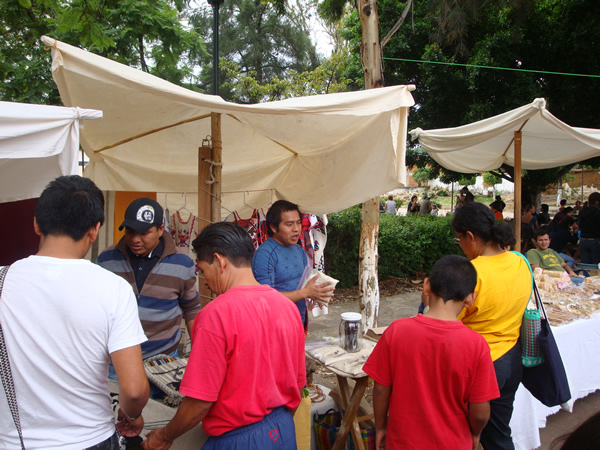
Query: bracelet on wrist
[{"x": 131, "y": 418}]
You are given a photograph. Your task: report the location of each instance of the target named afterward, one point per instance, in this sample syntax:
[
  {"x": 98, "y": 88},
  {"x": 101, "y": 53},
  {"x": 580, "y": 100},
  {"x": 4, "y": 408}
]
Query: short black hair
[
  {"x": 563, "y": 202},
  {"x": 481, "y": 221},
  {"x": 227, "y": 239},
  {"x": 275, "y": 211},
  {"x": 541, "y": 231},
  {"x": 69, "y": 206},
  {"x": 453, "y": 277},
  {"x": 545, "y": 207},
  {"x": 594, "y": 198}
]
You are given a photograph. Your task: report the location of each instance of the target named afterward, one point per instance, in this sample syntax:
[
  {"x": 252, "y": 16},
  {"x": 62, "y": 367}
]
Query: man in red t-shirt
[
  {"x": 247, "y": 364},
  {"x": 432, "y": 374}
]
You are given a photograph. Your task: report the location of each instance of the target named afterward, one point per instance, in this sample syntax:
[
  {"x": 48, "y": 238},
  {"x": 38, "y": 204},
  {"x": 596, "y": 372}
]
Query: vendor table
[
  {"x": 350, "y": 400},
  {"x": 578, "y": 343}
]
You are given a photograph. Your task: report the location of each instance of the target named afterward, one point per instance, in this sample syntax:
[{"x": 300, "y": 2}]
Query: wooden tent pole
[
  {"x": 517, "y": 178},
  {"x": 217, "y": 150},
  {"x": 204, "y": 210}
]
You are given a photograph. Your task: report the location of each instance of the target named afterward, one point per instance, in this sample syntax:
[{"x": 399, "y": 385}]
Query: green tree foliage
[
  {"x": 146, "y": 34},
  {"x": 241, "y": 87},
  {"x": 547, "y": 35},
  {"x": 491, "y": 179}
]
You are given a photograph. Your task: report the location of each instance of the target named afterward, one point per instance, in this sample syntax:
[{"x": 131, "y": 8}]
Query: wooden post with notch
[
  {"x": 204, "y": 210},
  {"x": 517, "y": 177}
]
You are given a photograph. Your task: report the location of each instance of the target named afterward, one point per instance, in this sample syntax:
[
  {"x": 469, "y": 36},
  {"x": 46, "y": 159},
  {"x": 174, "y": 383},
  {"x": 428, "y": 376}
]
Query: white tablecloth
[{"x": 579, "y": 346}]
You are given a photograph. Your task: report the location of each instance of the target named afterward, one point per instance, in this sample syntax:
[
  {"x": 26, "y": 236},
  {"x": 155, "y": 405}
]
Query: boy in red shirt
[{"x": 433, "y": 375}]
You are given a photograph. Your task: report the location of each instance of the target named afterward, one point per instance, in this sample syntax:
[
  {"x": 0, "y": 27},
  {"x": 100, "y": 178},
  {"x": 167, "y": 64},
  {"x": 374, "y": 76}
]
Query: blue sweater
[{"x": 281, "y": 267}]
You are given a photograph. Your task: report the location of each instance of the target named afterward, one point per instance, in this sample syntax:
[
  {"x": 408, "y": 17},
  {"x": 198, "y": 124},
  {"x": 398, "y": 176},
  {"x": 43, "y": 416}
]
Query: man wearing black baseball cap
[{"x": 163, "y": 279}]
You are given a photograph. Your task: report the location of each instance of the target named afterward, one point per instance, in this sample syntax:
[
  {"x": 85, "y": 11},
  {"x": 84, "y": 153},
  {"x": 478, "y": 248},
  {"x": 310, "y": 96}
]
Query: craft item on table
[
  {"x": 319, "y": 307},
  {"x": 255, "y": 226},
  {"x": 327, "y": 427},
  {"x": 184, "y": 232},
  {"x": 351, "y": 332},
  {"x": 313, "y": 239},
  {"x": 166, "y": 373},
  {"x": 334, "y": 357}
]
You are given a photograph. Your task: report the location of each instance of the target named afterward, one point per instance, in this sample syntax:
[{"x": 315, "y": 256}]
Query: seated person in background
[
  {"x": 561, "y": 235},
  {"x": 559, "y": 217},
  {"x": 577, "y": 207},
  {"x": 562, "y": 205},
  {"x": 498, "y": 207},
  {"x": 413, "y": 205},
  {"x": 390, "y": 206},
  {"x": 544, "y": 257},
  {"x": 455, "y": 398},
  {"x": 434, "y": 210},
  {"x": 528, "y": 225},
  {"x": 543, "y": 218}
]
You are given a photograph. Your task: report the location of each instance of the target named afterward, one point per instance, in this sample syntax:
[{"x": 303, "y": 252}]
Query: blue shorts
[{"x": 275, "y": 430}]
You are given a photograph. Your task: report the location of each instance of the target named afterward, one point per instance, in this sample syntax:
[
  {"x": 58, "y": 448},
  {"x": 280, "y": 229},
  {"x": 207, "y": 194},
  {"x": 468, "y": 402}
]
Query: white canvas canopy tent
[
  {"x": 528, "y": 137},
  {"x": 37, "y": 144},
  {"x": 325, "y": 152}
]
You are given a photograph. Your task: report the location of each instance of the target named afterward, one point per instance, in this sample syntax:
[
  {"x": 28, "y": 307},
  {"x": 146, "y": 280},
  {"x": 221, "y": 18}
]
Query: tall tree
[
  {"x": 262, "y": 39},
  {"x": 549, "y": 35}
]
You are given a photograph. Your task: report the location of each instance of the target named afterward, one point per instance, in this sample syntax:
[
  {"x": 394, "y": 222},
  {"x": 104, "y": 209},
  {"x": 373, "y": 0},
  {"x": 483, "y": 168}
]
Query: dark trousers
[
  {"x": 589, "y": 251},
  {"x": 509, "y": 370},
  {"x": 112, "y": 443}
]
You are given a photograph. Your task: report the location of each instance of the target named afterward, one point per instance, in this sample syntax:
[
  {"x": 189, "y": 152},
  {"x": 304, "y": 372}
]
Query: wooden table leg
[{"x": 349, "y": 422}]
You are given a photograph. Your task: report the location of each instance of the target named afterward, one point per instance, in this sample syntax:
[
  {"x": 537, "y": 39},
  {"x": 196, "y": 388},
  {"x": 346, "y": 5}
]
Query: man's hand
[
  {"x": 127, "y": 427},
  {"x": 322, "y": 292},
  {"x": 156, "y": 440}
]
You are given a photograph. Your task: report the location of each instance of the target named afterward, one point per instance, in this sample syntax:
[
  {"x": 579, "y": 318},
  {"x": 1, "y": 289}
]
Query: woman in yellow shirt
[{"x": 502, "y": 292}]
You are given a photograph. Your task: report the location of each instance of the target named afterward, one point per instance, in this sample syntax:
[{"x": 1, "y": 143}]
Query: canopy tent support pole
[
  {"x": 517, "y": 178},
  {"x": 217, "y": 158},
  {"x": 204, "y": 210}
]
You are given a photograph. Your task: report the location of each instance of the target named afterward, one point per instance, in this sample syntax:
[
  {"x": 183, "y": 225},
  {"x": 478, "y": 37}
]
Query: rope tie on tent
[{"x": 212, "y": 164}]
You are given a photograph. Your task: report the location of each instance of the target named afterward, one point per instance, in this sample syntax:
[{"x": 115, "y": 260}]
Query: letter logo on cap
[{"x": 145, "y": 214}]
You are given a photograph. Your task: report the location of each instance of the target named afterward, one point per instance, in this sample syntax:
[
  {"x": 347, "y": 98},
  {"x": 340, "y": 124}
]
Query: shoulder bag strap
[{"x": 5, "y": 372}]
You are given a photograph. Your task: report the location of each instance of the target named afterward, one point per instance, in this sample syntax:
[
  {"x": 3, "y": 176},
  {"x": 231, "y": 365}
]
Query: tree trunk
[{"x": 369, "y": 231}]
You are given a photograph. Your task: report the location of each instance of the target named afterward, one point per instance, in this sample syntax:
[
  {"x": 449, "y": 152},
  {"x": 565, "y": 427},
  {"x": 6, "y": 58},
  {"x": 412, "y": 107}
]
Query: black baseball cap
[{"x": 143, "y": 214}]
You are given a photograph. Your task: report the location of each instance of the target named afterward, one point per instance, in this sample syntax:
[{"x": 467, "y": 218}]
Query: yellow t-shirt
[{"x": 503, "y": 290}]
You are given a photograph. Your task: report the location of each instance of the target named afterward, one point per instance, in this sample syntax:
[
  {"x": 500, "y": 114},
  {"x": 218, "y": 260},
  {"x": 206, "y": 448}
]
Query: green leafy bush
[{"x": 407, "y": 245}]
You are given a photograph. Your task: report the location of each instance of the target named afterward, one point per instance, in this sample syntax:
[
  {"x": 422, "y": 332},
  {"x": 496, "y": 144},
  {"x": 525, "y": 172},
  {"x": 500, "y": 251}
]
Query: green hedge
[{"x": 407, "y": 245}]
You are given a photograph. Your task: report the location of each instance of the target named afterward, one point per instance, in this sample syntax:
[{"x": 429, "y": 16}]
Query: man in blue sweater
[{"x": 280, "y": 262}]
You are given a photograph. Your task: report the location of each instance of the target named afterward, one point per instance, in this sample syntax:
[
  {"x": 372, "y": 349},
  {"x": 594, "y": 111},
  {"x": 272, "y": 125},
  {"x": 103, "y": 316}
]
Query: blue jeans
[
  {"x": 275, "y": 430},
  {"x": 112, "y": 374},
  {"x": 568, "y": 259},
  {"x": 509, "y": 371}
]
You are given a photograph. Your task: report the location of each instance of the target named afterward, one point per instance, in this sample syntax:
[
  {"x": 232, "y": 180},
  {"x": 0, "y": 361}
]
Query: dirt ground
[{"x": 400, "y": 298}]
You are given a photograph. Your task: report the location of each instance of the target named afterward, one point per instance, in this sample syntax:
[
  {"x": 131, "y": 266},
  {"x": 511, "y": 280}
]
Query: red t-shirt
[
  {"x": 435, "y": 368},
  {"x": 247, "y": 357}
]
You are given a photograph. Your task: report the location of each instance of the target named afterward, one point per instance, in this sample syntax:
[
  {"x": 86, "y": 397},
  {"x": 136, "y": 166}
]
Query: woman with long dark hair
[{"x": 504, "y": 284}]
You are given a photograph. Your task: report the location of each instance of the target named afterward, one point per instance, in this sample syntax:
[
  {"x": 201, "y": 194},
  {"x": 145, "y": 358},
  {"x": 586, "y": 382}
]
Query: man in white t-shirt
[{"x": 63, "y": 319}]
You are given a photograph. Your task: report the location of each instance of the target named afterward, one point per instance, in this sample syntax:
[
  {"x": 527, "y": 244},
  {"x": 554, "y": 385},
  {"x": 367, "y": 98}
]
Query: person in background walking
[{"x": 390, "y": 206}]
